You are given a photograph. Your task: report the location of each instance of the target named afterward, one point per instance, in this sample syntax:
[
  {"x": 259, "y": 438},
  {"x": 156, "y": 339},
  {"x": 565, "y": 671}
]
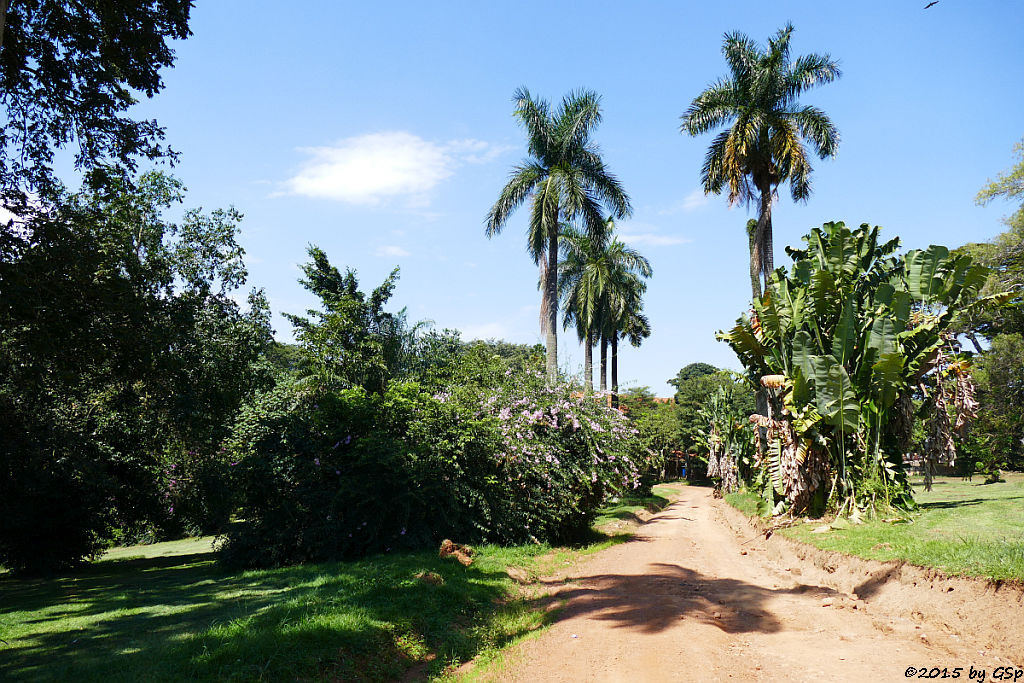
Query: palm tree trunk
[
  {"x": 764, "y": 233},
  {"x": 588, "y": 362},
  {"x": 604, "y": 362},
  {"x": 3, "y": 20},
  {"x": 755, "y": 259},
  {"x": 551, "y": 296},
  {"x": 615, "y": 369}
]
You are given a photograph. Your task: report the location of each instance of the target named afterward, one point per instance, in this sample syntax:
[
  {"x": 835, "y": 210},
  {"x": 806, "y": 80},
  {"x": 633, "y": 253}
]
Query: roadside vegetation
[{"x": 961, "y": 527}]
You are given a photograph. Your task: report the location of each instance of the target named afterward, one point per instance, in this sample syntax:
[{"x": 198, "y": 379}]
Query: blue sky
[{"x": 383, "y": 132}]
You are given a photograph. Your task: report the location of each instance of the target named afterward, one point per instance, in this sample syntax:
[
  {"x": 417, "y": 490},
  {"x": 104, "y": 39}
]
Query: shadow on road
[{"x": 654, "y": 601}]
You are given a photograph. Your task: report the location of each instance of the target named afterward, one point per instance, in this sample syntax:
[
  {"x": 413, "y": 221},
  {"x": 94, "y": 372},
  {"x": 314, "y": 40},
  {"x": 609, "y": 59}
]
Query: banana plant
[
  {"x": 728, "y": 443},
  {"x": 837, "y": 341}
]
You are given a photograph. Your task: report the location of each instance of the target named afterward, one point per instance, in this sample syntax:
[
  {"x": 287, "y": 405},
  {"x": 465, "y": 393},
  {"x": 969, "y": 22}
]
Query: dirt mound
[{"x": 462, "y": 553}]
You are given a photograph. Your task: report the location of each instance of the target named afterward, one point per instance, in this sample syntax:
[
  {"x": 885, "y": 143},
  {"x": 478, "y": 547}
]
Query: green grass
[
  {"x": 168, "y": 612},
  {"x": 963, "y": 528},
  {"x": 627, "y": 508}
]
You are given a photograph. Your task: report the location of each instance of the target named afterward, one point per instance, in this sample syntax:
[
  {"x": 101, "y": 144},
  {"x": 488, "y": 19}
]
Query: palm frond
[
  {"x": 818, "y": 129},
  {"x": 521, "y": 183},
  {"x": 712, "y": 108},
  {"x": 603, "y": 183},
  {"x": 810, "y": 70},
  {"x": 535, "y": 115},
  {"x": 741, "y": 54},
  {"x": 544, "y": 214},
  {"x": 576, "y": 118}
]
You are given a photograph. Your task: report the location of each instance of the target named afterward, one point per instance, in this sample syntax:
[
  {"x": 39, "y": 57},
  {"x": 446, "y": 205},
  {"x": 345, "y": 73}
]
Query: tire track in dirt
[{"x": 689, "y": 600}]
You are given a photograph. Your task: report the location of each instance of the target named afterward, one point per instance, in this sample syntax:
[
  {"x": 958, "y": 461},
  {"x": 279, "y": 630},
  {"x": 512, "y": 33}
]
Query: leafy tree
[
  {"x": 764, "y": 145},
  {"x": 655, "y": 420},
  {"x": 565, "y": 179},
  {"x": 69, "y": 73},
  {"x": 1009, "y": 185},
  {"x": 123, "y": 361},
  {"x": 352, "y": 341},
  {"x": 999, "y": 429},
  {"x": 692, "y": 396},
  {"x": 691, "y": 371}
]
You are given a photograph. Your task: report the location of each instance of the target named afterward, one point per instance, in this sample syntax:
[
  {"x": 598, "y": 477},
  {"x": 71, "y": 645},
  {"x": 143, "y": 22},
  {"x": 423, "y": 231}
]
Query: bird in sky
[{"x": 933, "y": 2}]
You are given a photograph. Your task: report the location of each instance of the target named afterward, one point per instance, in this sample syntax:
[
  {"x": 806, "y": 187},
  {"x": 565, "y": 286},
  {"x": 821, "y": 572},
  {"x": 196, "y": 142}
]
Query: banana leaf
[{"x": 834, "y": 395}]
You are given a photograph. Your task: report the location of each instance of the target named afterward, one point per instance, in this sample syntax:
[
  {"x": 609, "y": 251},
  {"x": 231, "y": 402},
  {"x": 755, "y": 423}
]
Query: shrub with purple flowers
[{"x": 341, "y": 473}]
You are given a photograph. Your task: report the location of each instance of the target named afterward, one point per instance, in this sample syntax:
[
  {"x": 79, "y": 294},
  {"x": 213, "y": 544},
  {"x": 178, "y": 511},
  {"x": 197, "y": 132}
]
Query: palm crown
[
  {"x": 764, "y": 144},
  {"x": 565, "y": 179},
  {"x": 601, "y": 282}
]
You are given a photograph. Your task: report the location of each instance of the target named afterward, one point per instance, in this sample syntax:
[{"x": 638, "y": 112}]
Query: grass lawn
[
  {"x": 630, "y": 508},
  {"x": 963, "y": 528},
  {"x": 167, "y": 612}
]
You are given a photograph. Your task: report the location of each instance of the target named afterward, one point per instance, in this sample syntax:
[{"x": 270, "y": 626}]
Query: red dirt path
[{"x": 692, "y": 599}]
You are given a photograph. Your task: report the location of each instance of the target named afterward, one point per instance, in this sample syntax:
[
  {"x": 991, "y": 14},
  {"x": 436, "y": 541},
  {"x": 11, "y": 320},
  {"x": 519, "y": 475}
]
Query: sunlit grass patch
[
  {"x": 963, "y": 528},
  {"x": 169, "y": 612}
]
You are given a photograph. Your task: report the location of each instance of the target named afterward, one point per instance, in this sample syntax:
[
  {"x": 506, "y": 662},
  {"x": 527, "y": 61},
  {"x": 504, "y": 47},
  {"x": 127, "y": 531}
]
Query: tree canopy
[{"x": 69, "y": 73}]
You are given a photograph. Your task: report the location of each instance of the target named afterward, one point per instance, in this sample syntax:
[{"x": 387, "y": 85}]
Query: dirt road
[{"x": 692, "y": 599}]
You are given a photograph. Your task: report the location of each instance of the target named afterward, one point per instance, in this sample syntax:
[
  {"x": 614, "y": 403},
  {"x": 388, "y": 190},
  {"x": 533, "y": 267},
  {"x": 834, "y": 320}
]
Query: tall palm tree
[
  {"x": 586, "y": 273},
  {"x": 634, "y": 327},
  {"x": 565, "y": 179},
  {"x": 763, "y": 146},
  {"x": 622, "y": 317}
]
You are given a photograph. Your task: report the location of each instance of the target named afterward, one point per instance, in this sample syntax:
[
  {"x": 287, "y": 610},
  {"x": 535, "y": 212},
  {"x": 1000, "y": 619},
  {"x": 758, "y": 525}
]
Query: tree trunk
[
  {"x": 755, "y": 260},
  {"x": 615, "y": 369},
  {"x": 974, "y": 340},
  {"x": 766, "y": 264},
  {"x": 604, "y": 362},
  {"x": 763, "y": 233},
  {"x": 3, "y": 20},
  {"x": 588, "y": 363},
  {"x": 551, "y": 296}
]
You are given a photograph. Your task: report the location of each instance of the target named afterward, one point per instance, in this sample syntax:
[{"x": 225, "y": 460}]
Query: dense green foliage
[
  {"x": 998, "y": 436},
  {"x": 764, "y": 145},
  {"x": 69, "y": 73},
  {"x": 120, "y": 378},
  {"x": 842, "y": 341},
  {"x": 334, "y": 466},
  {"x": 690, "y": 371},
  {"x": 692, "y": 395}
]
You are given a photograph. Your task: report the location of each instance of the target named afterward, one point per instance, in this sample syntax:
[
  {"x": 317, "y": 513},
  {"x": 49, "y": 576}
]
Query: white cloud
[
  {"x": 369, "y": 169},
  {"x": 392, "y": 250},
  {"x": 690, "y": 202}
]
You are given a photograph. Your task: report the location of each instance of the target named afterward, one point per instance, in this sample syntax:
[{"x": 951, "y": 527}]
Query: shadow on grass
[
  {"x": 952, "y": 504},
  {"x": 184, "y": 617}
]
